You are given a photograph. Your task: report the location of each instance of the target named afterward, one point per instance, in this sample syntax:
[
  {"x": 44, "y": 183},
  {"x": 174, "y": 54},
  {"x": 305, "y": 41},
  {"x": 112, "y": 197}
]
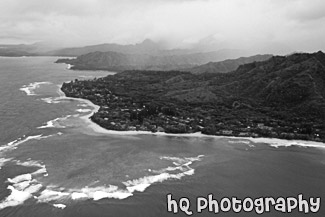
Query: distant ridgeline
[
  {"x": 281, "y": 97},
  {"x": 115, "y": 61}
]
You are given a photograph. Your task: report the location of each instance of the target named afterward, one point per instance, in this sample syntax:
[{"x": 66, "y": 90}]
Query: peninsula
[{"x": 282, "y": 97}]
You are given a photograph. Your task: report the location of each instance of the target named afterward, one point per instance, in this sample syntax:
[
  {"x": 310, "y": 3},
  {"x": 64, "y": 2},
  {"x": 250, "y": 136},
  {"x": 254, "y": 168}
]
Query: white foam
[
  {"x": 142, "y": 183},
  {"x": 287, "y": 143},
  {"x": 12, "y": 145},
  {"x": 29, "y": 163},
  {"x": 51, "y": 195},
  {"x": 100, "y": 192},
  {"x": 22, "y": 185},
  {"x": 22, "y": 189},
  {"x": 83, "y": 110},
  {"x": 55, "y": 123},
  {"x": 139, "y": 187},
  {"x": 20, "y": 178},
  {"x": 15, "y": 198},
  {"x": 168, "y": 169},
  {"x": 40, "y": 171},
  {"x": 51, "y": 100},
  {"x": 78, "y": 195},
  {"x": 178, "y": 160},
  {"x": 3, "y": 161},
  {"x": 182, "y": 164},
  {"x": 198, "y": 158},
  {"x": 86, "y": 76},
  {"x": 13, "y": 142},
  {"x": 49, "y": 124},
  {"x": 29, "y": 89},
  {"x": 189, "y": 172},
  {"x": 239, "y": 141},
  {"x": 116, "y": 195},
  {"x": 32, "y": 189},
  {"x": 59, "y": 205}
]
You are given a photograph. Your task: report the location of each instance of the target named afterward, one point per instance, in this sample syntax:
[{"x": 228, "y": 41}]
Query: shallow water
[{"x": 53, "y": 162}]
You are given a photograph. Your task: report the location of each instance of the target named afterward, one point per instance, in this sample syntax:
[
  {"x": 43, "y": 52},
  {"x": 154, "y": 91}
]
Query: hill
[
  {"x": 227, "y": 65},
  {"x": 295, "y": 82}
]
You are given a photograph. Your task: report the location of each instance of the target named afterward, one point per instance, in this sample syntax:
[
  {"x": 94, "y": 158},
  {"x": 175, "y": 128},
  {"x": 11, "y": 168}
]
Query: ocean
[{"x": 55, "y": 162}]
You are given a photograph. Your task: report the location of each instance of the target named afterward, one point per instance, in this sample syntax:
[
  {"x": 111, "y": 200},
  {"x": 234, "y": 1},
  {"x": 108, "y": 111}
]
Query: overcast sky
[{"x": 278, "y": 26}]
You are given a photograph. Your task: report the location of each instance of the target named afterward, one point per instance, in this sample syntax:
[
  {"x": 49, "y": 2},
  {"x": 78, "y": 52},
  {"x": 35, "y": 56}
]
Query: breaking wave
[
  {"x": 26, "y": 186},
  {"x": 51, "y": 100},
  {"x": 276, "y": 143},
  {"x": 181, "y": 164},
  {"x": 29, "y": 89},
  {"x": 13, "y": 145},
  {"x": 55, "y": 123},
  {"x": 83, "y": 110}
]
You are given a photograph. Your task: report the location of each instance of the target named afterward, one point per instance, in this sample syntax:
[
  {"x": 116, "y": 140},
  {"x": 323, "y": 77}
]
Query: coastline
[{"x": 274, "y": 142}]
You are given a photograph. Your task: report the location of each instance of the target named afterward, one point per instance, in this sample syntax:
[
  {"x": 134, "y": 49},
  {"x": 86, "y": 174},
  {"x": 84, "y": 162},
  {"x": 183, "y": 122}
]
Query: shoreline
[{"x": 274, "y": 142}]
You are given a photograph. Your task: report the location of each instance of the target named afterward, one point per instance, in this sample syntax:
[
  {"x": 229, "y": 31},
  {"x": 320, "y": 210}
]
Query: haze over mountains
[
  {"x": 148, "y": 55},
  {"x": 114, "y": 61},
  {"x": 145, "y": 47},
  {"x": 18, "y": 50}
]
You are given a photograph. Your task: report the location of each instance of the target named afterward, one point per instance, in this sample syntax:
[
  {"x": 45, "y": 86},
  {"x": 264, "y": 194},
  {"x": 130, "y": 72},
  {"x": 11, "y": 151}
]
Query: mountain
[
  {"x": 227, "y": 65},
  {"x": 115, "y": 61},
  {"x": 16, "y": 50}
]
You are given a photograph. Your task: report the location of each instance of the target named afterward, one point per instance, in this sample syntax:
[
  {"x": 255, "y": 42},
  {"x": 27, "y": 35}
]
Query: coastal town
[{"x": 141, "y": 101}]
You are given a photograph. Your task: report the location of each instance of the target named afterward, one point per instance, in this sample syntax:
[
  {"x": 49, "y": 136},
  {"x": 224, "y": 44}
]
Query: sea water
[{"x": 55, "y": 162}]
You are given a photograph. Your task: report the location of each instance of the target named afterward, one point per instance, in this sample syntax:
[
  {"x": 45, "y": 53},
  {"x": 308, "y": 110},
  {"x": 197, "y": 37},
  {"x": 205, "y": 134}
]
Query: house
[
  {"x": 226, "y": 132},
  {"x": 132, "y": 128},
  {"x": 244, "y": 134}
]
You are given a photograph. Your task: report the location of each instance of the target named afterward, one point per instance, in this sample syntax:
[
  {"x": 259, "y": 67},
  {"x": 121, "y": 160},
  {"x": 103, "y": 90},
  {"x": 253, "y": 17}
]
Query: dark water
[{"x": 58, "y": 160}]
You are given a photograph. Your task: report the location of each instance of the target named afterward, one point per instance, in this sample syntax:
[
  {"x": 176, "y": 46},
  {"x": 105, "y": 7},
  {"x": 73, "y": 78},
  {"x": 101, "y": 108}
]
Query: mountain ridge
[{"x": 121, "y": 61}]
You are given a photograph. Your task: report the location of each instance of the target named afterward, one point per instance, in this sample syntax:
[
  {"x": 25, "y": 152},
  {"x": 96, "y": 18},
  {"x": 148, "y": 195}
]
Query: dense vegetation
[{"x": 282, "y": 97}]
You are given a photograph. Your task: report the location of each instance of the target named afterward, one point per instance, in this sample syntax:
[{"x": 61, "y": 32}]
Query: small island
[{"x": 181, "y": 102}]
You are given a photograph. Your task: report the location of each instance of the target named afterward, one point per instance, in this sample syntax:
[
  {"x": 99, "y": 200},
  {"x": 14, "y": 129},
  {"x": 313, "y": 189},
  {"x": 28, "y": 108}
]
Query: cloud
[
  {"x": 304, "y": 11},
  {"x": 283, "y": 25}
]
